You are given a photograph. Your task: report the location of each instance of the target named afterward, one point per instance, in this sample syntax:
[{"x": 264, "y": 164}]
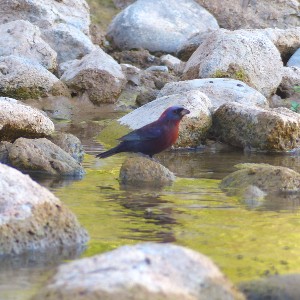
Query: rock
[
  {"x": 45, "y": 13},
  {"x": 19, "y": 120},
  {"x": 21, "y": 38},
  {"x": 273, "y": 287},
  {"x": 4, "y": 150},
  {"x": 32, "y": 218},
  {"x": 190, "y": 45},
  {"x": 294, "y": 61},
  {"x": 290, "y": 79},
  {"x": 96, "y": 74},
  {"x": 132, "y": 73},
  {"x": 218, "y": 90},
  {"x": 141, "y": 171},
  {"x": 159, "y": 25},
  {"x": 213, "y": 59},
  {"x": 21, "y": 78},
  {"x": 235, "y": 14},
  {"x": 270, "y": 179},
  {"x": 158, "y": 69},
  {"x": 254, "y": 128},
  {"x": 41, "y": 155},
  {"x": 140, "y": 58},
  {"x": 68, "y": 41},
  {"x": 121, "y": 4},
  {"x": 145, "y": 96},
  {"x": 144, "y": 271},
  {"x": 69, "y": 143},
  {"x": 97, "y": 34},
  {"x": 193, "y": 127},
  {"x": 172, "y": 63},
  {"x": 287, "y": 40}
]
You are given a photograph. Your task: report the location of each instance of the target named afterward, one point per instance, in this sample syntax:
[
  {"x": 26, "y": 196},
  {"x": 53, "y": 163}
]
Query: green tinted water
[{"x": 247, "y": 238}]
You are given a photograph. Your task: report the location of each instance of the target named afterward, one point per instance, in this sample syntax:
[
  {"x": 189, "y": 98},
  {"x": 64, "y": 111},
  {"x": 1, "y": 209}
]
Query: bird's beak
[{"x": 184, "y": 112}]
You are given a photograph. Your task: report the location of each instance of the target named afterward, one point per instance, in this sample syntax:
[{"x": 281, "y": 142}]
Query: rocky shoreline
[{"x": 235, "y": 70}]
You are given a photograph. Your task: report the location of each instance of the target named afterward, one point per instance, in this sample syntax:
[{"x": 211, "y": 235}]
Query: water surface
[{"x": 247, "y": 238}]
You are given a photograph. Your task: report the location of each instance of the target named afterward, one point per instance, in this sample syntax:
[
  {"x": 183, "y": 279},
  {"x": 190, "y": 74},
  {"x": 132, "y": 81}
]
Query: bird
[{"x": 152, "y": 138}]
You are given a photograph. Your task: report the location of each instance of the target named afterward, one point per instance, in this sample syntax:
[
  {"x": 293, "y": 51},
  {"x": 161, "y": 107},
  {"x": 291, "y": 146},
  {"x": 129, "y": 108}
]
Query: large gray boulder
[
  {"x": 41, "y": 155},
  {"x": 218, "y": 90},
  {"x": 22, "y": 78},
  {"x": 68, "y": 41},
  {"x": 159, "y": 25},
  {"x": 242, "y": 55},
  {"x": 21, "y": 38},
  {"x": 236, "y": 14},
  {"x": 193, "y": 127},
  {"x": 144, "y": 271},
  {"x": 19, "y": 120},
  {"x": 45, "y": 13},
  {"x": 222, "y": 54},
  {"x": 145, "y": 172},
  {"x": 32, "y": 218},
  {"x": 96, "y": 74},
  {"x": 254, "y": 128}
]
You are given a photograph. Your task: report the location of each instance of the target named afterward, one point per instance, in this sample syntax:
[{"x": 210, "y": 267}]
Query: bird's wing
[{"x": 145, "y": 133}]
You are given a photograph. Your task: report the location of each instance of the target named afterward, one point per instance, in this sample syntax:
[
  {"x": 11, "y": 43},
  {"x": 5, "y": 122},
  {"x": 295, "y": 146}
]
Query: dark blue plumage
[{"x": 152, "y": 138}]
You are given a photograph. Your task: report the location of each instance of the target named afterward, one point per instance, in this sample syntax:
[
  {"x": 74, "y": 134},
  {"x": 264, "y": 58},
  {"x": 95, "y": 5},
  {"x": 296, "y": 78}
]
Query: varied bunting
[{"x": 152, "y": 138}]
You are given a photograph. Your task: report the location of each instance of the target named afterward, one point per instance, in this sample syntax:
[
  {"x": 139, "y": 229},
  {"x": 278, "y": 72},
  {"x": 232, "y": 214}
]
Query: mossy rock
[
  {"x": 270, "y": 179},
  {"x": 235, "y": 72}
]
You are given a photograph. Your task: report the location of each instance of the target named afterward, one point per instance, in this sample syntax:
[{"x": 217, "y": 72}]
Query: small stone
[
  {"x": 140, "y": 171},
  {"x": 96, "y": 74}
]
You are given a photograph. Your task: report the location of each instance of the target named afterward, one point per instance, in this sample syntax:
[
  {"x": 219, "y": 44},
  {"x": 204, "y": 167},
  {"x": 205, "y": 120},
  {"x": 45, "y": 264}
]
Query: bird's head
[{"x": 174, "y": 113}]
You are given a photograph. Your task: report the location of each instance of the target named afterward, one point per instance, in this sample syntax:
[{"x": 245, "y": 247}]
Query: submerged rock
[
  {"x": 213, "y": 59},
  {"x": 21, "y": 38},
  {"x": 19, "y": 120},
  {"x": 254, "y": 128},
  {"x": 159, "y": 25},
  {"x": 22, "y": 78},
  {"x": 193, "y": 127},
  {"x": 269, "y": 179},
  {"x": 144, "y": 271},
  {"x": 141, "y": 171},
  {"x": 32, "y": 218},
  {"x": 96, "y": 74},
  {"x": 278, "y": 287},
  {"x": 41, "y": 155},
  {"x": 219, "y": 91}
]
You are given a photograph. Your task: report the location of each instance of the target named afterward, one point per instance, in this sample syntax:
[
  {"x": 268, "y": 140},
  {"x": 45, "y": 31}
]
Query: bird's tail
[{"x": 109, "y": 152}]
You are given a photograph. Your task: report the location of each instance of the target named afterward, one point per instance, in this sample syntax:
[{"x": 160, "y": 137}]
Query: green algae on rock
[{"x": 270, "y": 179}]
